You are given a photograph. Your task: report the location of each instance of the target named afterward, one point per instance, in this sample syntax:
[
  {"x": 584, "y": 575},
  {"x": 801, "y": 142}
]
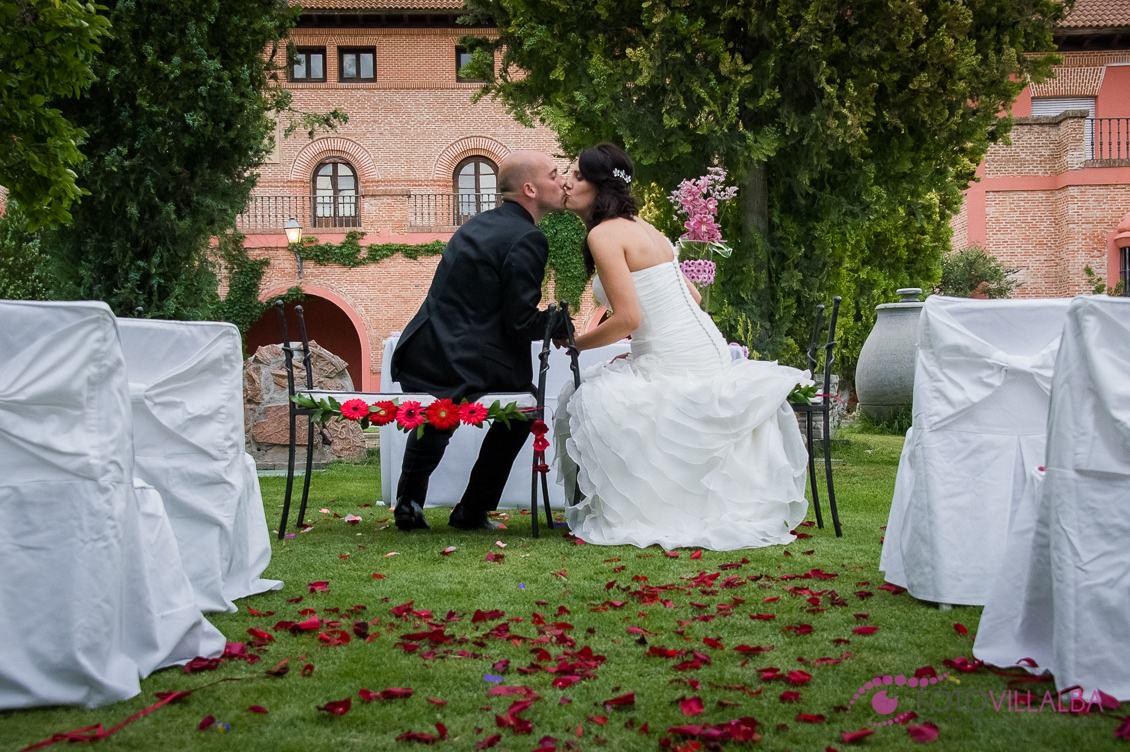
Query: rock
[{"x": 268, "y": 417}]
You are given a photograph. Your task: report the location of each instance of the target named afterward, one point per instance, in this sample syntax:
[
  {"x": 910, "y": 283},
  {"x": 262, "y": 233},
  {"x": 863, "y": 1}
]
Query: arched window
[
  {"x": 476, "y": 186},
  {"x": 335, "y": 195}
]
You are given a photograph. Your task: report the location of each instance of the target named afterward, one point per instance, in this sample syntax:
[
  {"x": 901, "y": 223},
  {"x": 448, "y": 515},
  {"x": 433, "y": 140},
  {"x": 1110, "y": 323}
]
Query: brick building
[
  {"x": 1050, "y": 202},
  {"x": 415, "y": 160}
]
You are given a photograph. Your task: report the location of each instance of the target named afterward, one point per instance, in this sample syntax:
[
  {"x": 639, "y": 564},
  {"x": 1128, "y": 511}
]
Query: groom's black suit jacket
[{"x": 472, "y": 334}]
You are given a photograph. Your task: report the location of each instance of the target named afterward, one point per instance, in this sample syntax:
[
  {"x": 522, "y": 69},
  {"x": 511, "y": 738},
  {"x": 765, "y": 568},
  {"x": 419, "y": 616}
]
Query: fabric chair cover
[
  {"x": 81, "y": 546},
  {"x": 447, "y": 483},
  {"x": 186, "y": 385},
  {"x": 1063, "y": 601},
  {"x": 982, "y": 378}
]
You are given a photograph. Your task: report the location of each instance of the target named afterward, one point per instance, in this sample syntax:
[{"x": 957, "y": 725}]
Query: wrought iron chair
[
  {"x": 295, "y": 411},
  {"x": 540, "y": 467},
  {"x": 823, "y": 409}
]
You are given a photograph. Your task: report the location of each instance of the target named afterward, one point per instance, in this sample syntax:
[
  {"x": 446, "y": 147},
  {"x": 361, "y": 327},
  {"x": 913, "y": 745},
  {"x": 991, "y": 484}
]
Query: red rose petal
[
  {"x": 205, "y": 722},
  {"x": 258, "y": 709},
  {"x": 810, "y": 718},
  {"x": 338, "y": 707},
  {"x": 865, "y": 630},
  {"x": 923, "y": 734},
  {"x": 691, "y": 706},
  {"x": 854, "y": 736}
]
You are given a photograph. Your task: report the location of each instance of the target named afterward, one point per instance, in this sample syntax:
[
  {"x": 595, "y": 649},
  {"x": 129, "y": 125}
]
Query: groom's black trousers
[{"x": 488, "y": 477}]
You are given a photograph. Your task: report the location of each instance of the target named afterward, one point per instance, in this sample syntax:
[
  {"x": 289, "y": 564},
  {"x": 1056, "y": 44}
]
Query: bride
[{"x": 677, "y": 443}]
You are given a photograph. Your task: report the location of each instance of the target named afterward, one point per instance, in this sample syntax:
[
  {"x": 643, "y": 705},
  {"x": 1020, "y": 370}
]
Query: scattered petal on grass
[
  {"x": 691, "y": 706},
  {"x": 1123, "y": 730},
  {"x": 338, "y": 707},
  {"x": 492, "y": 678},
  {"x": 960, "y": 629},
  {"x": 810, "y": 718},
  {"x": 308, "y": 669},
  {"x": 420, "y": 736},
  {"x": 319, "y": 587},
  {"x": 500, "y": 544},
  {"x": 377, "y": 576},
  {"x": 495, "y": 558},
  {"x": 489, "y": 742},
  {"x": 205, "y": 722},
  {"x": 447, "y": 551},
  {"x": 964, "y": 665},
  {"x": 392, "y": 553},
  {"x": 280, "y": 669},
  {"x": 851, "y": 737},
  {"x": 600, "y": 720},
  {"x": 751, "y": 650},
  {"x": 696, "y": 555},
  {"x": 433, "y": 701},
  {"x": 790, "y": 696},
  {"x": 865, "y": 630},
  {"x": 923, "y": 734},
  {"x": 925, "y": 671},
  {"x": 481, "y": 616},
  {"x": 199, "y": 663},
  {"x": 763, "y": 617},
  {"x": 625, "y": 699},
  {"x": 258, "y": 709},
  {"x": 797, "y": 678}
]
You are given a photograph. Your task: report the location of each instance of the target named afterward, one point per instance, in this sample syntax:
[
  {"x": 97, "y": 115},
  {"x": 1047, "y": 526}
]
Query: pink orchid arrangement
[{"x": 699, "y": 200}]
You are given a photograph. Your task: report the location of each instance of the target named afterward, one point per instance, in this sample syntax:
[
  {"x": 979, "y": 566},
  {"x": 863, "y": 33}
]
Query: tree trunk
[{"x": 754, "y": 199}]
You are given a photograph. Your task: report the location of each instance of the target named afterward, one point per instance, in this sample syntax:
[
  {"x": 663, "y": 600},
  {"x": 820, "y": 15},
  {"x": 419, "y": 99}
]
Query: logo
[{"x": 885, "y": 704}]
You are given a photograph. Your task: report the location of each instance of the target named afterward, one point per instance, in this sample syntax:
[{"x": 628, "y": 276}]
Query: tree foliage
[
  {"x": 178, "y": 120},
  {"x": 971, "y": 271},
  {"x": 852, "y": 128},
  {"x": 23, "y": 266},
  {"x": 47, "y": 52}
]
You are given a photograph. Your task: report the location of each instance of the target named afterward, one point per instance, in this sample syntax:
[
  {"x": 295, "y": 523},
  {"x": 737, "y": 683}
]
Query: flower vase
[{"x": 696, "y": 259}]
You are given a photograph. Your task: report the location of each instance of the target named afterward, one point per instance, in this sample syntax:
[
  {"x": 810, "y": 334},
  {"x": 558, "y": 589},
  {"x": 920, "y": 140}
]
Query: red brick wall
[
  {"x": 1046, "y": 208},
  {"x": 406, "y": 134}
]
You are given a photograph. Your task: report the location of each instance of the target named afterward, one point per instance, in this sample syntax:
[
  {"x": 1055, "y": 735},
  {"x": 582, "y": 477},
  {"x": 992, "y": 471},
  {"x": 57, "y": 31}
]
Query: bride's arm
[
  {"x": 607, "y": 246},
  {"x": 694, "y": 291}
]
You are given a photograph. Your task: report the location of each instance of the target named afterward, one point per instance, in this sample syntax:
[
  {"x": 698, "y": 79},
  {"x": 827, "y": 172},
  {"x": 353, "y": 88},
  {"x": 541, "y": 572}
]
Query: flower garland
[{"x": 442, "y": 414}]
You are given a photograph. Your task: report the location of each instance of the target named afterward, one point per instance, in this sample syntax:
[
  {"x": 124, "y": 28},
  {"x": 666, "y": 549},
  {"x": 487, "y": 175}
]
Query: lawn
[{"x": 580, "y": 625}]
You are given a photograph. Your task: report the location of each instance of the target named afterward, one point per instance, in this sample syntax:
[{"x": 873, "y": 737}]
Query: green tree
[
  {"x": 971, "y": 271},
  {"x": 852, "y": 128},
  {"x": 47, "y": 50},
  {"x": 179, "y": 119},
  {"x": 23, "y": 266}
]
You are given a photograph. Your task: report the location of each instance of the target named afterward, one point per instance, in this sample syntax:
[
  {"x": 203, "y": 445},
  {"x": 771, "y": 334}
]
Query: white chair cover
[
  {"x": 449, "y": 480},
  {"x": 982, "y": 377},
  {"x": 1063, "y": 602},
  {"x": 186, "y": 384},
  {"x": 80, "y": 545}
]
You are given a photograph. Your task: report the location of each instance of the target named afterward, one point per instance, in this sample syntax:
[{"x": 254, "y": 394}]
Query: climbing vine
[
  {"x": 241, "y": 306},
  {"x": 244, "y": 274},
  {"x": 351, "y": 254},
  {"x": 565, "y": 233}
]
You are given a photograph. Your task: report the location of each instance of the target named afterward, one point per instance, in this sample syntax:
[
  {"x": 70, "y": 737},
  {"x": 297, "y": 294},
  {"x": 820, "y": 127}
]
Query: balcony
[
  {"x": 1108, "y": 139},
  {"x": 395, "y": 212}
]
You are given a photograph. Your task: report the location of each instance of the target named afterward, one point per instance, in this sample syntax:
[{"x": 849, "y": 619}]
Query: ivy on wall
[
  {"x": 565, "y": 233},
  {"x": 244, "y": 274}
]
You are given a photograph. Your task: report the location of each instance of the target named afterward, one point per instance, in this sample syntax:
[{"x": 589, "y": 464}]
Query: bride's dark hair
[{"x": 610, "y": 170}]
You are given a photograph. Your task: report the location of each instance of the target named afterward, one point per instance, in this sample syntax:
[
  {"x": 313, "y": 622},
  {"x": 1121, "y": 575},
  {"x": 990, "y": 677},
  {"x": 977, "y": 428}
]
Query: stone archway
[{"x": 331, "y": 322}]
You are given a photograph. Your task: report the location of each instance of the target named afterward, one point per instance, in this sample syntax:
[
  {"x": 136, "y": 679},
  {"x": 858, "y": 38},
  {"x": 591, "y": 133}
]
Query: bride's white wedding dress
[{"x": 678, "y": 444}]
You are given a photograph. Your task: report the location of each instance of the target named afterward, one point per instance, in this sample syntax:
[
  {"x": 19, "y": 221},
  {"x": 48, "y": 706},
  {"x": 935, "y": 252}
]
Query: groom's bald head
[{"x": 530, "y": 178}]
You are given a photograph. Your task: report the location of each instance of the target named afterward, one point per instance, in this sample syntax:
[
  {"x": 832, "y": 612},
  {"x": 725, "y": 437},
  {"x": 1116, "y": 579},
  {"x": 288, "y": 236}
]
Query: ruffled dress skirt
[{"x": 678, "y": 444}]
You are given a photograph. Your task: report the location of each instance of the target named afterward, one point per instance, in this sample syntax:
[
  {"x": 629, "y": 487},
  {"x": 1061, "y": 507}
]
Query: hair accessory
[{"x": 622, "y": 175}]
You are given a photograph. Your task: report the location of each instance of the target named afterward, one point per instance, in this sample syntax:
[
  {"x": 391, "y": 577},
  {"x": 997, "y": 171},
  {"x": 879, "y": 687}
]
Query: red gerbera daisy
[
  {"x": 473, "y": 414},
  {"x": 354, "y": 409},
  {"x": 443, "y": 414},
  {"x": 409, "y": 415},
  {"x": 383, "y": 413}
]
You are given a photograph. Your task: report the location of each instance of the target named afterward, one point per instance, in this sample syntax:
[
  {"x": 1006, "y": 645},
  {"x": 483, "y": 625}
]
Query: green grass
[{"x": 911, "y": 634}]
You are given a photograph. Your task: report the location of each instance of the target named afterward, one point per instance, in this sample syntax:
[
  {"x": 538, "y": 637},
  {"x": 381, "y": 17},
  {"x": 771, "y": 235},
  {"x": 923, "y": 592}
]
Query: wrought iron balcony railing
[
  {"x": 1109, "y": 138},
  {"x": 447, "y": 209},
  {"x": 422, "y": 211},
  {"x": 270, "y": 213}
]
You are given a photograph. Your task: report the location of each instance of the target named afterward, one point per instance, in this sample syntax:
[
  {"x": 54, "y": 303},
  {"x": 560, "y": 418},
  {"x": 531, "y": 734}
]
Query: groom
[{"x": 472, "y": 335}]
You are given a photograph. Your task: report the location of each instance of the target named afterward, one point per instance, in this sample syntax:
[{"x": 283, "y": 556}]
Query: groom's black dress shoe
[
  {"x": 461, "y": 520},
  {"x": 409, "y": 516}
]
